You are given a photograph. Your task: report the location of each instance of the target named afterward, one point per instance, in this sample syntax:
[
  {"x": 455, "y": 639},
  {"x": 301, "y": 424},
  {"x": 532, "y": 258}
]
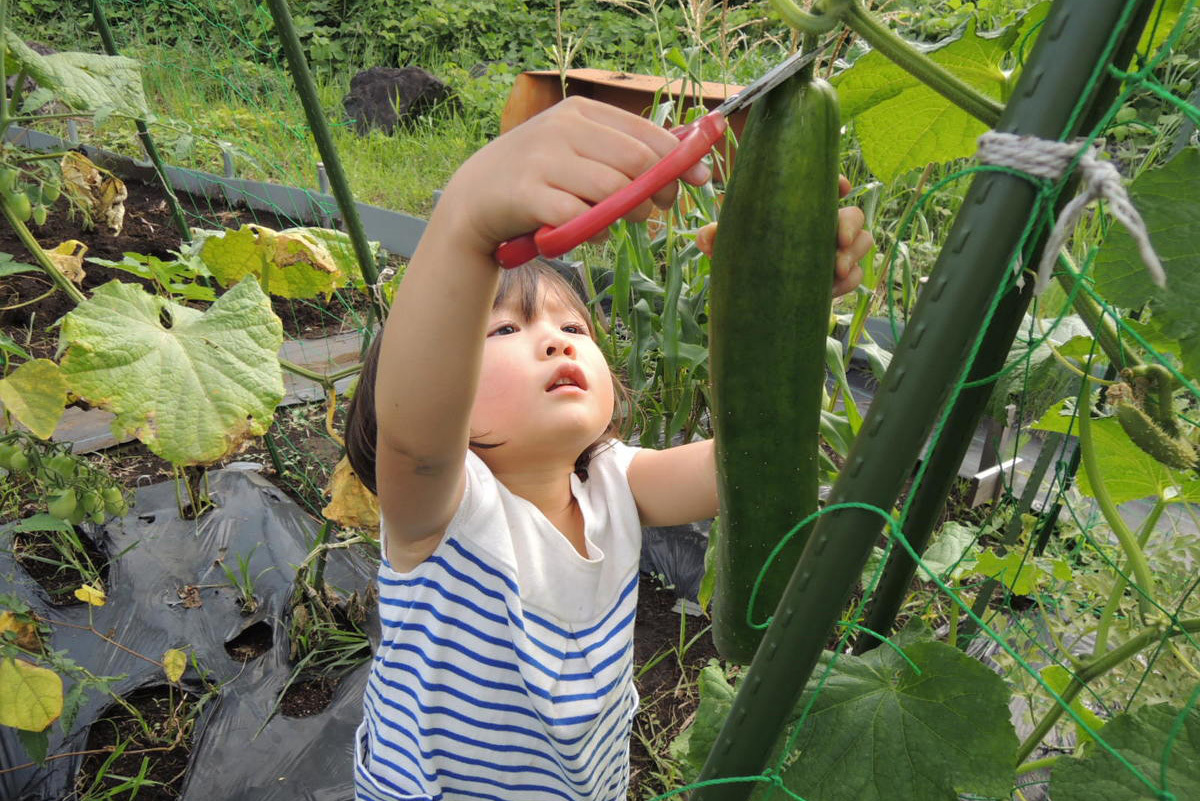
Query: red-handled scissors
[{"x": 695, "y": 140}]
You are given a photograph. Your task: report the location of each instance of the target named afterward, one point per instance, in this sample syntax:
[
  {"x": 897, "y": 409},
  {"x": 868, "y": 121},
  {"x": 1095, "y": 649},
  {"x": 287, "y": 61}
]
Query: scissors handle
[{"x": 695, "y": 140}]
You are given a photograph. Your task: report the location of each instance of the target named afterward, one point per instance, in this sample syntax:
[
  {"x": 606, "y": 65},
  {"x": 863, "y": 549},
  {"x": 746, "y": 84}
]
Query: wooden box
[{"x": 537, "y": 91}]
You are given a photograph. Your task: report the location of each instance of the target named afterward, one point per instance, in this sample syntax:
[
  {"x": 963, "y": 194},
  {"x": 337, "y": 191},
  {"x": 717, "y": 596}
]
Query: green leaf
[
  {"x": 291, "y": 263},
  {"x": 35, "y": 743},
  {"x": 1167, "y": 200},
  {"x": 1129, "y": 472},
  {"x": 10, "y": 267},
  {"x": 191, "y": 385},
  {"x": 1059, "y": 678},
  {"x": 708, "y": 582},
  {"x": 41, "y": 522},
  {"x": 878, "y": 729},
  {"x": 84, "y": 81},
  {"x": 1161, "y": 743},
  {"x": 35, "y": 393},
  {"x": 947, "y": 550},
  {"x": 1022, "y": 574},
  {"x": 8, "y": 346},
  {"x": 716, "y": 699},
  {"x": 31, "y": 697},
  {"x": 901, "y": 123}
]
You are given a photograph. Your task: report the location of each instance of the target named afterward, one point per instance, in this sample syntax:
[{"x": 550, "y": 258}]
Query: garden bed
[{"x": 248, "y": 651}]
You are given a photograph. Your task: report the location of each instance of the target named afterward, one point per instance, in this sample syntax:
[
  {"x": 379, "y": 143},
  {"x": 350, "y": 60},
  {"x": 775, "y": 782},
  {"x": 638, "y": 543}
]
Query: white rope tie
[
  {"x": 1044, "y": 158},
  {"x": 376, "y": 289}
]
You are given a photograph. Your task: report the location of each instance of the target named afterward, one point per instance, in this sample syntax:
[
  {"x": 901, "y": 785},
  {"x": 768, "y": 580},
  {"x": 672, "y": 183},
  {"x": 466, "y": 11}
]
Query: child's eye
[
  {"x": 575, "y": 328},
  {"x": 503, "y": 330}
]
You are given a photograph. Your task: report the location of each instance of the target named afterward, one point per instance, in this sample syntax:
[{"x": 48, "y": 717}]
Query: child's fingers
[
  {"x": 850, "y": 221},
  {"x": 843, "y": 186},
  {"x": 847, "y": 282},
  {"x": 706, "y": 238}
]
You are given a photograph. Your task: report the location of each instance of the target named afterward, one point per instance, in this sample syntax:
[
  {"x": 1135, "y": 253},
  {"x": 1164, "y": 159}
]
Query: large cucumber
[{"x": 772, "y": 283}]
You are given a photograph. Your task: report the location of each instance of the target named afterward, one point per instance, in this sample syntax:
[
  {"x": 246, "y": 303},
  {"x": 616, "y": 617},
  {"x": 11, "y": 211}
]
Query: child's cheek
[{"x": 497, "y": 396}]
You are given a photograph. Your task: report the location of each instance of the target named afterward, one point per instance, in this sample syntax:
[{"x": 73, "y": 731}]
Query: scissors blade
[{"x": 777, "y": 75}]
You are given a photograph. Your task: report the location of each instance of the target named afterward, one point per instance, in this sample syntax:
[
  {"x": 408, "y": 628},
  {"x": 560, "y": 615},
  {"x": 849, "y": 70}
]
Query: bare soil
[{"x": 160, "y": 739}]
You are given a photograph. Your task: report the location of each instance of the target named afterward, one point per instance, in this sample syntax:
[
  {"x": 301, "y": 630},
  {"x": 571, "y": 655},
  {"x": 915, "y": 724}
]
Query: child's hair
[{"x": 521, "y": 284}]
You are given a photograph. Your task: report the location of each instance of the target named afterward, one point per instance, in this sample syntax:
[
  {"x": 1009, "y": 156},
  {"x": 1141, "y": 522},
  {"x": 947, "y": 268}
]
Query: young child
[{"x": 511, "y": 517}]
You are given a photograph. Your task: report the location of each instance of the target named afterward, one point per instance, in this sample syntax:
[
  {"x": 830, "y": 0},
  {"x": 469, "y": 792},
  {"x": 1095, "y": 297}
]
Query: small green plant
[{"x": 240, "y": 579}]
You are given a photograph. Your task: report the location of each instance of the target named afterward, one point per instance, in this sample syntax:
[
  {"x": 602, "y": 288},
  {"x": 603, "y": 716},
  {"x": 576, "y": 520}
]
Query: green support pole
[
  {"x": 307, "y": 90},
  {"x": 961, "y": 290},
  {"x": 947, "y": 454},
  {"x": 110, "y": 47}
]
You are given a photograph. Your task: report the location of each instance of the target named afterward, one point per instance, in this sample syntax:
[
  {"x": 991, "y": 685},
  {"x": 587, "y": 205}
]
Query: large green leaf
[
  {"x": 191, "y": 385},
  {"x": 901, "y": 123},
  {"x": 1161, "y": 743},
  {"x": 86, "y": 82},
  {"x": 1170, "y": 205},
  {"x": 878, "y": 729},
  {"x": 292, "y": 263},
  {"x": 1129, "y": 472}
]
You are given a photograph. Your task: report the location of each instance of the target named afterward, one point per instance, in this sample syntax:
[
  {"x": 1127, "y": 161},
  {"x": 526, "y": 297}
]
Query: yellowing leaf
[
  {"x": 292, "y": 263},
  {"x": 31, "y": 697},
  {"x": 26, "y": 632},
  {"x": 35, "y": 393},
  {"x": 101, "y": 193},
  {"x": 352, "y": 504},
  {"x": 68, "y": 258},
  {"x": 174, "y": 662},
  {"x": 90, "y": 594}
]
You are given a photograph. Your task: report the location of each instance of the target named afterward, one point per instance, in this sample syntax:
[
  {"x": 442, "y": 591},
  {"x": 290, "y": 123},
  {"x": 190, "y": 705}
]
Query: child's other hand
[
  {"x": 554, "y": 167},
  {"x": 854, "y": 242}
]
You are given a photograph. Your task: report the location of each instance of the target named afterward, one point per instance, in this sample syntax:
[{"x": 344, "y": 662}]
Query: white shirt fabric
[{"x": 505, "y": 669}]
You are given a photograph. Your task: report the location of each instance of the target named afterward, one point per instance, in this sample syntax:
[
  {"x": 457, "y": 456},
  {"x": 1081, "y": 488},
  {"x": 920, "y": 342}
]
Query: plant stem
[
  {"x": 1133, "y": 552},
  {"x": 1096, "y": 668},
  {"x": 110, "y": 47},
  {"x": 1038, "y": 764},
  {"x": 4, "y": 120},
  {"x": 1102, "y": 329},
  {"x": 39, "y": 255},
  {"x": 307, "y": 89},
  {"x": 920, "y": 66},
  {"x": 1118, "y": 591}
]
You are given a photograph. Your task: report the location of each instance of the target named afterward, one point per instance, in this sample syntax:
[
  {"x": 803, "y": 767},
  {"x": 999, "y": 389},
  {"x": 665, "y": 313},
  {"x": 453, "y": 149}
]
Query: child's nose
[{"x": 557, "y": 344}]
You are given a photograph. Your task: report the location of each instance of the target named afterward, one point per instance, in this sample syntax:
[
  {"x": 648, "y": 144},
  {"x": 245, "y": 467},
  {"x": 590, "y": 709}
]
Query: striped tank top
[{"x": 505, "y": 668}]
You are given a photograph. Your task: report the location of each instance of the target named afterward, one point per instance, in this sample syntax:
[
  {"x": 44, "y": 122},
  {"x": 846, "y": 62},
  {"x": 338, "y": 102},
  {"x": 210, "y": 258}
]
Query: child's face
[{"x": 545, "y": 389}]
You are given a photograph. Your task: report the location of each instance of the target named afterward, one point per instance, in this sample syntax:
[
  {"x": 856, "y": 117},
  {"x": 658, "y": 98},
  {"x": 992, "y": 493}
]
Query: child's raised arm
[{"x": 545, "y": 171}]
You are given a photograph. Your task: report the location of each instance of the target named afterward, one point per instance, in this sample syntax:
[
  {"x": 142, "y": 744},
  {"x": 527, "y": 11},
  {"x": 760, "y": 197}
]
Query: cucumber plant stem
[
  {"x": 1129, "y": 544},
  {"x": 1094, "y": 669},
  {"x": 1118, "y": 591},
  {"x": 39, "y": 255},
  {"x": 921, "y": 66}
]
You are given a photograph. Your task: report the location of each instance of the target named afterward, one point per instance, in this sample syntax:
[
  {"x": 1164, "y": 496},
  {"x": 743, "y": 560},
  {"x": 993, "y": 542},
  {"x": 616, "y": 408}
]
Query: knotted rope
[{"x": 1048, "y": 159}]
